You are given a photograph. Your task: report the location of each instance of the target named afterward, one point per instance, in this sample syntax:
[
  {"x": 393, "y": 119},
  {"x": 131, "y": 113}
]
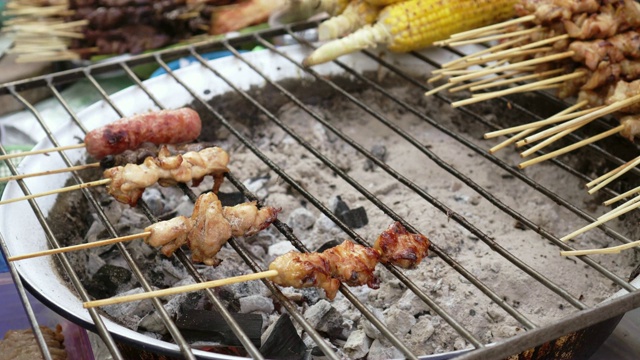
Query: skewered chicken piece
[
  {"x": 350, "y": 263},
  {"x": 209, "y": 227},
  {"x": 399, "y": 247},
  {"x": 129, "y": 181}
]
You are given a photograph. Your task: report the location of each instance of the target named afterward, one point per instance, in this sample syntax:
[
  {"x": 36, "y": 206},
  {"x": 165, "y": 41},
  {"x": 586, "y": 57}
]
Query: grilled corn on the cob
[
  {"x": 382, "y": 2},
  {"x": 414, "y": 24},
  {"x": 357, "y": 14}
]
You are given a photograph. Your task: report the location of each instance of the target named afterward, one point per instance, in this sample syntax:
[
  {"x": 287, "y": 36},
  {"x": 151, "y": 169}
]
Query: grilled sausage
[{"x": 161, "y": 127}]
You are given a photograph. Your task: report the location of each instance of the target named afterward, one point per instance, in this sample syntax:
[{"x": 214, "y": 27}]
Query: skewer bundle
[
  {"x": 72, "y": 29},
  {"x": 587, "y": 50}
]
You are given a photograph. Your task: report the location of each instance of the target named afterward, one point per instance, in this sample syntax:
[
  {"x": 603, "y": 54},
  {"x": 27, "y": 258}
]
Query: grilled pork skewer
[{"x": 350, "y": 263}]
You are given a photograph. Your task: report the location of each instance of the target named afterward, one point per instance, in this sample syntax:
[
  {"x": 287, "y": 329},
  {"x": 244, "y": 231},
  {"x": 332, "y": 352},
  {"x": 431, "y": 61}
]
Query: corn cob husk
[
  {"x": 415, "y": 24},
  {"x": 357, "y": 14}
]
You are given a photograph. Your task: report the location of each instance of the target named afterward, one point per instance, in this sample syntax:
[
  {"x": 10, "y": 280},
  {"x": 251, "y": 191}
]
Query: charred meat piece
[{"x": 399, "y": 247}]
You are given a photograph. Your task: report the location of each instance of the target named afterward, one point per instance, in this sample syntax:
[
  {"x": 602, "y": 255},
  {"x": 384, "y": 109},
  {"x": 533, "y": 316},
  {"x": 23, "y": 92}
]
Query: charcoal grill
[{"x": 607, "y": 313}]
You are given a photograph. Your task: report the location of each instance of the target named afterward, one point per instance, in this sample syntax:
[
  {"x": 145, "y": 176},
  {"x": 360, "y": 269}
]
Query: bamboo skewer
[
  {"x": 538, "y": 124},
  {"x": 514, "y": 66},
  {"x": 496, "y": 37},
  {"x": 623, "y": 171},
  {"x": 609, "y": 250},
  {"x": 57, "y": 191},
  {"x": 621, "y": 196},
  {"x": 571, "y": 147},
  {"x": 500, "y": 46},
  {"x": 43, "y": 151},
  {"x": 49, "y": 172},
  {"x": 549, "y": 141},
  {"x": 583, "y": 119},
  {"x": 527, "y": 87},
  {"x": 81, "y": 246},
  {"x": 519, "y": 49},
  {"x": 610, "y": 173},
  {"x": 621, "y": 207},
  {"x": 507, "y": 75},
  {"x": 601, "y": 221},
  {"x": 181, "y": 289},
  {"x": 543, "y": 74},
  {"x": 475, "y": 32}
]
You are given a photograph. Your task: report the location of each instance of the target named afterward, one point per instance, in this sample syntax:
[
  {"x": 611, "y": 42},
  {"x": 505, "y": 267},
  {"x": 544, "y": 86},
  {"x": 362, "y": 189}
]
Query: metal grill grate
[{"x": 535, "y": 334}]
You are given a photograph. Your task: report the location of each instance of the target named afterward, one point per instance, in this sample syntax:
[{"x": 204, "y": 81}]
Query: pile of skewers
[
  {"x": 52, "y": 30},
  {"x": 584, "y": 49},
  {"x": 120, "y": 147}
]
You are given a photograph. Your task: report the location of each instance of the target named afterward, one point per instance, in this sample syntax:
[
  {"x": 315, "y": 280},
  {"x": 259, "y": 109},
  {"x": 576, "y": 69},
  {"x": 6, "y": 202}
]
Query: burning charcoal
[
  {"x": 280, "y": 248},
  {"x": 378, "y": 151},
  {"x": 399, "y": 321},
  {"x": 256, "y": 186},
  {"x": 357, "y": 345},
  {"x": 202, "y": 325},
  {"x": 325, "y": 318},
  {"x": 354, "y": 218},
  {"x": 283, "y": 341},
  {"x": 301, "y": 218},
  {"x": 231, "y": 199},
  {"x": 105, "y": 282},
  {"x": 130, "y": 313}
]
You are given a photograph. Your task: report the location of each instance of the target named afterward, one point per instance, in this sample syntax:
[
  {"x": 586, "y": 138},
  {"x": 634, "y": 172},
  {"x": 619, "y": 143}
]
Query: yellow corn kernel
[
  {"x": 382, "y": 2},
  {"x": 415, "y": 24},
  {"x": 354, "y": 16}
]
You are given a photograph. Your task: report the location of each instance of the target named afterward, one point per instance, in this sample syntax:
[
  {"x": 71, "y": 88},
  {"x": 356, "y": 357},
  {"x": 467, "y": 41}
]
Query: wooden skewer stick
[
  {"x": 543, "y": 75},
  {"x": 622, "y": 196},
  {"x": 509, "y": 52},
  {"x": 549, "y": 141},
  {"x": 56, "y": 191},
  {"x": 507, "y": 56},
  {"x": 508, "y": 74},
  {"x": 435, "y": 78},
  {"x": 586, "y": 118},
  {"x": 473, "y": 33},
  {"x": 537, "y": 124},
  {"x": 609, "y": 250},
  {"x": 571, "y": 147},
  {"x": 610, "y": 173},
  {"x": 600, "y": 221},
  {"x": 496, "y": 37},
  {"x": 43, "y": 151},
  {"x": 180, "y": 289},
  {"x": 527, "y": 87},
  {"x": 527, "y": 131},
  {"x": 500, "y": 46},
  {"x": 49, "y": 172},
  {"x": 606, "y": 182},
  {"x": 437, "y": 89},
  {"x": 621, "y": 207},
  {"x": 81, "y": 246},
  {"x": 484, "y": 72}
]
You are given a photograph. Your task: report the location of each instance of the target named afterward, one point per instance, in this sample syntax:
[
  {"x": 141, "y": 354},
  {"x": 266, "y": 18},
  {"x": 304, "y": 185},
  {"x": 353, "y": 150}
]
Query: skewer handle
[
  {"x": 181, "y": 289},
  {"x": 42, "y": 151},
  {"x": 57, "y": 191},
  {"x": 80, "y": 246}
]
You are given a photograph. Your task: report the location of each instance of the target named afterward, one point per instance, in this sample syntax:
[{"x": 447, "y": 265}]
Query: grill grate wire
[{"x": 534, "y": 336}]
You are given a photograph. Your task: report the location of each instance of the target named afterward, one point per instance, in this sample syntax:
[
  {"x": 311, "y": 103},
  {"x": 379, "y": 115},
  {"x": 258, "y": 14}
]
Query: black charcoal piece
[
  {"x": 340, "y": 206},
  {"x": 328, "y": 245},
  {"x": 106, "y": 280},
  {"x": 283, "y": 342},
  {"x": 231, "y": 199},
  {"x": 354, "y": 218},
  {"x": 209, "y": 326}
]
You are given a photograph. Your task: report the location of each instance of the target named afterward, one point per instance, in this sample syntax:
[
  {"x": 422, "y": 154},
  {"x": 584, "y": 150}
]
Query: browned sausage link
[{"x": 160, "y": 127}]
